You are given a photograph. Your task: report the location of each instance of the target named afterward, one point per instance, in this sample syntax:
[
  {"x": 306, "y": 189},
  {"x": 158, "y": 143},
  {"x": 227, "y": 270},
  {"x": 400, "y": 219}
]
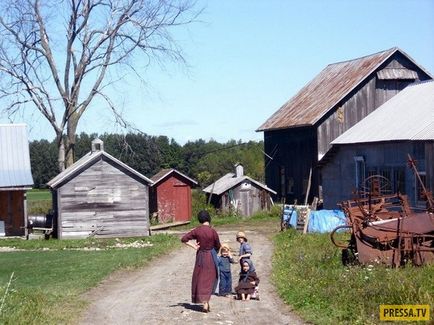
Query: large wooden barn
[
  {"x": 298, "y": 136},
  {"x": 379, "y": 145},
  {"x": 239, "y": 193},
  {"x": 170, "y": 196},
  {"x": 100, "y": 196},
  {"x": 15, "y": 179}
]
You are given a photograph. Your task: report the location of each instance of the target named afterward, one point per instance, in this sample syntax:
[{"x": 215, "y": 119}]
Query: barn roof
[
  {"x": 331, "y": 86},
  {"x": 15, "y": 170},
  {"x": 88, "y": 160},
  {"x": 409, "y": 115},
  {"x": 229, "y": 181},
  {"x": 162, "y": 174}
]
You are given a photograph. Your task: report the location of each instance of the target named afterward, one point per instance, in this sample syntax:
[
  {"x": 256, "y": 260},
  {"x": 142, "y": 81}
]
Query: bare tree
[{"x": 55, "y": 55}]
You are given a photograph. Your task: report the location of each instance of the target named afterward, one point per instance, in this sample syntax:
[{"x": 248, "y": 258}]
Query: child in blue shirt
[
  {"x": 245, "y": 250},
  {"x": 225, "y": 276}
]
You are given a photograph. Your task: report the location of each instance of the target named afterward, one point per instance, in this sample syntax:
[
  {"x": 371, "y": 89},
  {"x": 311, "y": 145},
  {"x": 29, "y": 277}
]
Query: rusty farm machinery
[{"x": 383, "y": 228}]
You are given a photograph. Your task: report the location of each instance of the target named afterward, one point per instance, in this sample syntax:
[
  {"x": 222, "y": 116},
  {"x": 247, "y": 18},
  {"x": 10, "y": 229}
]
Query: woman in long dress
[{"x": 205, "y": 272}]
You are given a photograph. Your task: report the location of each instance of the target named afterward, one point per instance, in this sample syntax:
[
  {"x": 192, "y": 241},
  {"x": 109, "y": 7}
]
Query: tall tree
[{"x": 57, "y": 54}]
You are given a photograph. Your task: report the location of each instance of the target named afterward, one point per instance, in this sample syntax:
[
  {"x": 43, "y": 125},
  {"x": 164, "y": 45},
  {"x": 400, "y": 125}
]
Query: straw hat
[{"x": 241, "y": 234}]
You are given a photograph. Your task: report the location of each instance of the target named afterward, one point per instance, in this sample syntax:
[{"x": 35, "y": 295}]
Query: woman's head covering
[
  {"x": 241, "y": 234},
  {"x": 203, "y": 216}
]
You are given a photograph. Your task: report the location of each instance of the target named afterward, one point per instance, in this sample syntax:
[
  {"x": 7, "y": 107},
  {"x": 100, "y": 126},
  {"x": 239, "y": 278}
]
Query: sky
[{"x": 246, "y": 58}]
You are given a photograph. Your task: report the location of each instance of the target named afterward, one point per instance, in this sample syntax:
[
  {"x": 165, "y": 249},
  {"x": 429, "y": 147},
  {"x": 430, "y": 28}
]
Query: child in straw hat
[
  {"x": 225, "y": 276},
  {"x": 245, "y": 249}
]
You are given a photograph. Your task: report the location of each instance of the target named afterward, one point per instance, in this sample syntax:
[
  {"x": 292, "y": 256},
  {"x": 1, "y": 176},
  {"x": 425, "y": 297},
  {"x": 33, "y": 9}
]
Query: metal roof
[
  {"x": 166, "y": 172},
  {"x": 229, "y": 181},
  {"x": 87, "y": 160},
  {"x": 409, "y": 115},
  {"x": 15, "y": 170},
  {"x": 326, "y": 90}
]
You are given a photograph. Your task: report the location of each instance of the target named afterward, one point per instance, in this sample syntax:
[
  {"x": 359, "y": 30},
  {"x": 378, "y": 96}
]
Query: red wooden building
[{"x": 170, "y": 196}]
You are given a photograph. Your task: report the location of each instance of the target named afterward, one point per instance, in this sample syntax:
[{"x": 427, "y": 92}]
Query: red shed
[{"x": 171, "y": 196}]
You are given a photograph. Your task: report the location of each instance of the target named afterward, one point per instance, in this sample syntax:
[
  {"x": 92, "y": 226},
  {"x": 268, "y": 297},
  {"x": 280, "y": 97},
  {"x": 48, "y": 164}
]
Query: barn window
[{"x": 359, "y": 162}]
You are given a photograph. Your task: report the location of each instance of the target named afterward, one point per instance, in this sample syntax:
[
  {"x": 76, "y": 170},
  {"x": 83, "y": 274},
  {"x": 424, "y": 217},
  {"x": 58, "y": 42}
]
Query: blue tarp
[
  {"x": 319, "y": 221},
  {"x": 290, "y": 215},
  {"x": 325, "y": 220}
]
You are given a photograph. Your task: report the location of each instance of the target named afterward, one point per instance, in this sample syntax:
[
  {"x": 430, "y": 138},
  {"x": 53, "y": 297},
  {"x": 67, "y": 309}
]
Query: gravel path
[{"x": 160, "y": 293}]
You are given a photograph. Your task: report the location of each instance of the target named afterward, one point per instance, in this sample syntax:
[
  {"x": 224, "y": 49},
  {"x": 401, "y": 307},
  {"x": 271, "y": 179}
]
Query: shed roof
[
  {"x": 87, "y": 160},
  {"x": 409, "y": 115},
  {"x": 162, "y": 174},
  {"x": 328, "y": 88},
  {"x": 229, "y": 181},
  {"x": 15, "y": 169}
]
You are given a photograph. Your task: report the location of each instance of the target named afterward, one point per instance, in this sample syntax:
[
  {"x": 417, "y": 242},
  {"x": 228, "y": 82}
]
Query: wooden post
[{"x": 308, "y": 186}]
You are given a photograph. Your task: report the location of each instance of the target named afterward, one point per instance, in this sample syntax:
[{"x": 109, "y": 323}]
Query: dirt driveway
[{"x": 160, "y": 293}]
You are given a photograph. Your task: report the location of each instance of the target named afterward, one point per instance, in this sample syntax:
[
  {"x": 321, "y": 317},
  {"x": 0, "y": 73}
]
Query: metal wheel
[{"x": 376, "y": 185}]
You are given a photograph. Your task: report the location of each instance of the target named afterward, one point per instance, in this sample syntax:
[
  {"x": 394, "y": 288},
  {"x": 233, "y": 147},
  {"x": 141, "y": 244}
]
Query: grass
[
  {"x": 50, "y": 276},
  {"x": 309, "y": 276},
  {"x": 38, "y": 202}
]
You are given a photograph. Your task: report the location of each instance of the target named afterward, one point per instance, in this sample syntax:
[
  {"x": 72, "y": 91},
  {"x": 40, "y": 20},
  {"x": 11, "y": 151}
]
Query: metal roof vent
[
  {"x": 97, "y": 145},
  {"x": 239, "y": 170}
]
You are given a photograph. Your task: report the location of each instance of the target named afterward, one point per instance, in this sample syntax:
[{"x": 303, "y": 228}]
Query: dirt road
[{"x": 160, "y": 293}]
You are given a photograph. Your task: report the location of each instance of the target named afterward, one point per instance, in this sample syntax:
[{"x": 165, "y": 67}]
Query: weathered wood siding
[
  {"x": 12, "y": 212},
  {"x": 387, "y": 159},
  {"x": 362, "y": 101},
  {"x": 173, "y": 197},
  {"x": 105, "y": 200},
  {"x": 296, "y": 150},
  {"x": 249, "y": 199}
]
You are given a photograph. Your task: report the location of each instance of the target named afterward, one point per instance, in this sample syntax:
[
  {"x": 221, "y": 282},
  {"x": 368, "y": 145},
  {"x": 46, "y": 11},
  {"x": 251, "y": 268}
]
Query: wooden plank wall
[{"x": 105, "y": 201}]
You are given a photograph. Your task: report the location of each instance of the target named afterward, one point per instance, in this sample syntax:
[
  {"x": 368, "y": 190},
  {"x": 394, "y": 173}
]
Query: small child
[
  {"x": 248, "y": 281},
  {"x": 245, "y": 249},
  {"x": 224, "y": 262}
]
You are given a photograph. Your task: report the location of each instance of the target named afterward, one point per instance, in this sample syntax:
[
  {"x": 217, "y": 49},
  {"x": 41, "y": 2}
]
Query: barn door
[{"x": 182, "y": 202}]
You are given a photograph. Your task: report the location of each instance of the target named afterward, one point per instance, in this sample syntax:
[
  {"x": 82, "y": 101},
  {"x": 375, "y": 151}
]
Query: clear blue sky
[{"x": 247, "y": 58}]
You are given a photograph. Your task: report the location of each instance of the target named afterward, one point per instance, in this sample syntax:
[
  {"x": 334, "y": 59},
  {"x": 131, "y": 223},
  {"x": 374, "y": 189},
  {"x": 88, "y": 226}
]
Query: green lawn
[
  {"x": 38, "y": 195},
  {"x": 308, "y": 273},
  {"x": 46, "y": 285}
]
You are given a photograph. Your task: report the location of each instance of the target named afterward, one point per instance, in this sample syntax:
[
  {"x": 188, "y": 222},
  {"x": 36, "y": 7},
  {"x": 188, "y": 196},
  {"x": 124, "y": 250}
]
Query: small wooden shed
[
  {"x": 100, "y": 196},
  {"x": 15, "y": 179},
  {"x": 170, "y": 196},
  {"x": 239, "y": 193}
]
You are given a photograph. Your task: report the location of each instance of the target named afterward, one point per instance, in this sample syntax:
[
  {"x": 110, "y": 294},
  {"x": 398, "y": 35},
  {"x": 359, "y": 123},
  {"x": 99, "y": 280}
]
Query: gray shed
[
  {"x": 15, "y": 179},
  {"x": 379, "y": 145},
  {"x": 100, "y": 196},
  {"x": 240, "y": 193}
]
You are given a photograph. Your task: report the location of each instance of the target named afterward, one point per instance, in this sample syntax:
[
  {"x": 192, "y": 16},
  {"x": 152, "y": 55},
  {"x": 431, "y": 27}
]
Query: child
[
  {"x": 248, "y": 281},
  {"x": 224, "y": 261},
  {"x": 245, "y": 249}
]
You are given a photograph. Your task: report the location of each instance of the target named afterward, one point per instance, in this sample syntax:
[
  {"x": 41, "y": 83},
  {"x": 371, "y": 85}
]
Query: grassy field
[
  {"x": 308, "y": 273},
  {"x": 49, "y": 276},
  {"x": 38, "y": 201}
]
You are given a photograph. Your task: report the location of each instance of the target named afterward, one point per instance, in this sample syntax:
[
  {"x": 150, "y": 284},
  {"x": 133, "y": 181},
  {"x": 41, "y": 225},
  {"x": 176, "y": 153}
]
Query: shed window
[{"x": 420, "y": 199}]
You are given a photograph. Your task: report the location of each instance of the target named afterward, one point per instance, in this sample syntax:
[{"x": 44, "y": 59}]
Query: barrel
[{"x": 40, "y": 221}]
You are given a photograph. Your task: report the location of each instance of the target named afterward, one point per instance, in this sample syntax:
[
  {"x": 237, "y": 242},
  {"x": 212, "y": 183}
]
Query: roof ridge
[{"x": 391, "y": 50}]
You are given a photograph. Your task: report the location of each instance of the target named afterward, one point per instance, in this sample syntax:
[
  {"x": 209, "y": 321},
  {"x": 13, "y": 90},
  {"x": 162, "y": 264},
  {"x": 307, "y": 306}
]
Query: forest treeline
[{"x": 204, "y": 161}]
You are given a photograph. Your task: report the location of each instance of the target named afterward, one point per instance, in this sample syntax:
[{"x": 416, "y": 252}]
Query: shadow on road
[{"x": 188, "y": 306}]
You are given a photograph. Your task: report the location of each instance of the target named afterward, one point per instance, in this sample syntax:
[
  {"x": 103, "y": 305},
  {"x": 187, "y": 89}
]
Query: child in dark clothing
[
  {"x": 224, "y": 262},
  {"x": 248, "y": 281}
]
